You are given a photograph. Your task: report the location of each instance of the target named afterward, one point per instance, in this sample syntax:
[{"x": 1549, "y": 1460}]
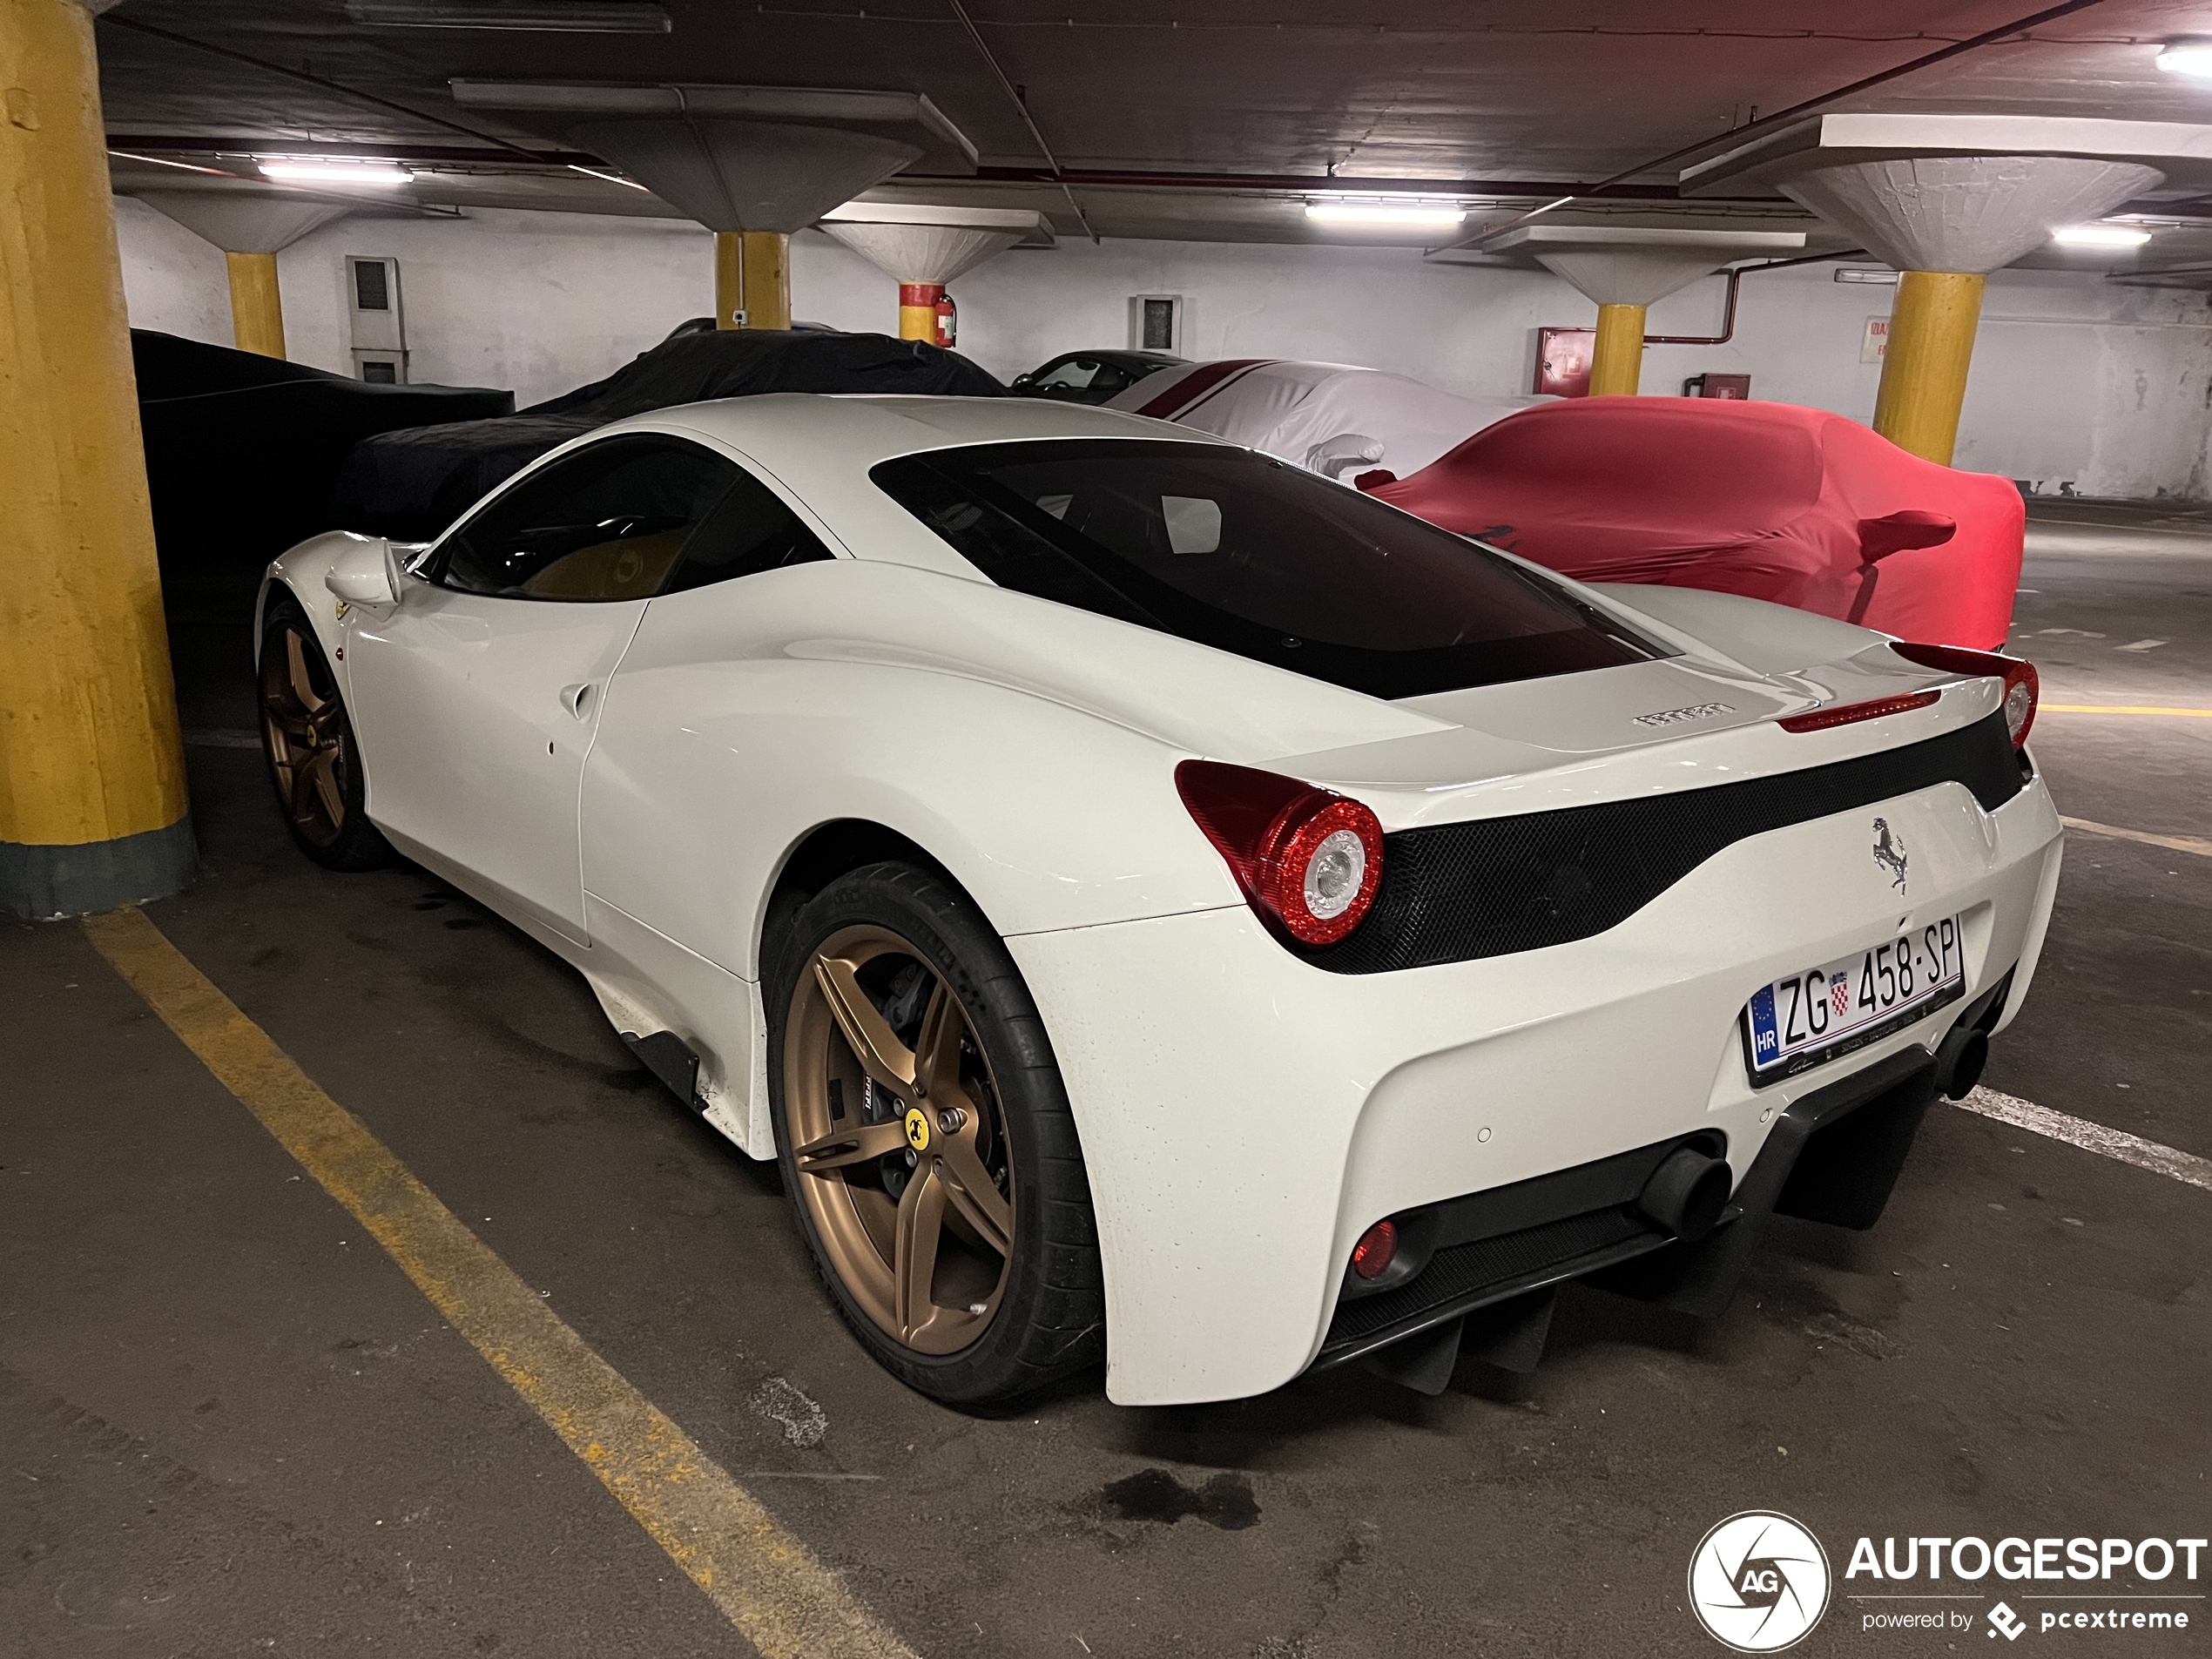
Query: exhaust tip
[
  {"x": 1687, "y": 1193},
  {"x": 1960, "y": 1059}
]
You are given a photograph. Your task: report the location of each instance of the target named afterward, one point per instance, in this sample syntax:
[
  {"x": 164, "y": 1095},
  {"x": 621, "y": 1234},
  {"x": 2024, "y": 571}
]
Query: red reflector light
[
  {"x": 1851, "y": 713},
  {"x": 2023, "y": 686},
  {"x": 1376, "y": 1249},
  {"x": 1308, "y": 860}
]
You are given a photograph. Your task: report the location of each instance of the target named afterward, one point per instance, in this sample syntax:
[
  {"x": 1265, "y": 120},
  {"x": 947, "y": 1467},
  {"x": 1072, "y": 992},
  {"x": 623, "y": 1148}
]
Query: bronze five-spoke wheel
[
  {"x": 927, "y": 1143},
  {"x": 309, "y": 745}
]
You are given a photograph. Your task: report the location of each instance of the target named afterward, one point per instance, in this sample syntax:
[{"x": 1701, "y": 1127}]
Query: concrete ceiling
[{"x": 1248, "y": 116}]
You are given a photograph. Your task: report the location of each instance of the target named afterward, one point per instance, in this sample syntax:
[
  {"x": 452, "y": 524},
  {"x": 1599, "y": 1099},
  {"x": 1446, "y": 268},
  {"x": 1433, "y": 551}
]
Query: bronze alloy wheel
[
  {"x": 309, "y": 745},
  {"x": 898, "y": 1140},
  {"x": 303, "y": 726}
]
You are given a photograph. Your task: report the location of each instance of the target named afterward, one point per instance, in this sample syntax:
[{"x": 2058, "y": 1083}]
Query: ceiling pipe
[{"x": 1735, "y": 274}]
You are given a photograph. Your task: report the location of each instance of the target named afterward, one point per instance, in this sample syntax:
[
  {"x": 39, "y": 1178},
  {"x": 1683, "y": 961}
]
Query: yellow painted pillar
[
  {"x": 257, "y": 314},
  {"x": 92, "y": 805},
  {"x": 751, "y": 279},
  {"x": 918, "y": 310},
  {"x": 1924, "y": 367},
  {"x": 1616, "y": 364}
]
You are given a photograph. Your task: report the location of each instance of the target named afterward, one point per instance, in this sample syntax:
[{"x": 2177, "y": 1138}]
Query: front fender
[{"x": 300, "y": 571}]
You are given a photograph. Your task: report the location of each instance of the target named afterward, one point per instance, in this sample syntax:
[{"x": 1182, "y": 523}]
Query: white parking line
[
  {"x": 2092, "y": 1137},
  {"x": 2196, "y": 844}
]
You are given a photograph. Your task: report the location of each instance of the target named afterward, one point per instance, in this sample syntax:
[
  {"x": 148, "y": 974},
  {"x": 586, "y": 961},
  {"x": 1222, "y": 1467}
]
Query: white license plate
[{"x": 1802, "y": 1021}]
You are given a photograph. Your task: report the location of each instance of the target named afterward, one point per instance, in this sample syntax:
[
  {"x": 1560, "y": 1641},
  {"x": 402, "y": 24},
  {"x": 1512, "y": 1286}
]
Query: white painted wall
[{"x": 2074, "y": 379}]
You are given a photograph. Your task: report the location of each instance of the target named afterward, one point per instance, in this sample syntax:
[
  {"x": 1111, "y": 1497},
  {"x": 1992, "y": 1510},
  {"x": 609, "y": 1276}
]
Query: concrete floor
[{"x": 229, "y": 1425}]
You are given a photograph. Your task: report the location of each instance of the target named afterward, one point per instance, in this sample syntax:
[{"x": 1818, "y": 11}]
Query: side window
[
  {"x": 748, "y": 531},
  {"x": 609, "y": 522}
]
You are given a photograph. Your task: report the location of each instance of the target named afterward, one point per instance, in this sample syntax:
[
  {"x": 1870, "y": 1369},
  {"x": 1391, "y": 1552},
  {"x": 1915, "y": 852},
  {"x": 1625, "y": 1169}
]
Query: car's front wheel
[
  {"x": 314, "y": 765},
  {"x": 927, "y": 1143}
]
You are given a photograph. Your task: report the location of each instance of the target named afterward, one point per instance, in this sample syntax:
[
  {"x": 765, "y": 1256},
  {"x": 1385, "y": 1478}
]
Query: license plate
[{"x": 1810, "y": 1018}]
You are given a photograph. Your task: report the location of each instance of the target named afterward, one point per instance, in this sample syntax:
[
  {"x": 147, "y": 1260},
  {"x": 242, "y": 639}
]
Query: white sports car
[{"x": 1156, "y": 902}]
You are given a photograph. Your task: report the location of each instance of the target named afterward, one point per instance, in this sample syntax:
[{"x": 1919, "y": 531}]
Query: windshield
[{"x": 1247, "y": 554}]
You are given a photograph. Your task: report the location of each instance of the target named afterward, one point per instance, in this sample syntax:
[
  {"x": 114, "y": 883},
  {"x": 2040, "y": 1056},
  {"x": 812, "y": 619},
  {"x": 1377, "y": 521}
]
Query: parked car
[
  {"x": 412, "y": 484},
  {"x": 1092, "y": 376},
  {"x": 243, "y": 451},
  {"x": 1157, "y": 903},
  {"x": 1335, "y": 419},
  {"x": 1768, "y": 500}
]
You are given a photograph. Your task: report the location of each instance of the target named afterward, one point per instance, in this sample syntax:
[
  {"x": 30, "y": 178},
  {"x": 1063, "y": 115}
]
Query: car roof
[{"x": 809, "y": 432}]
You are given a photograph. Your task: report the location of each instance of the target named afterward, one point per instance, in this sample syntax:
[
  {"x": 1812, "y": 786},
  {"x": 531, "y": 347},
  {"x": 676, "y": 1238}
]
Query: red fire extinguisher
[{"x": 948, "y": 321}]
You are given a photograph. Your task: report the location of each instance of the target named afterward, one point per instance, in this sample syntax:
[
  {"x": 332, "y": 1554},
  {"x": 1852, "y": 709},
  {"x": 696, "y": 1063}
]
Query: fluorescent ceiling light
[
  {"x": 2100, "y": 236},
  {"x": 1429, "y": 215},
  {"x": 331, "y": 170},
  {"x": 2192, "y": 58},
  {"x": 527, "y": 16},
  {"x": 612, "y": 179}
]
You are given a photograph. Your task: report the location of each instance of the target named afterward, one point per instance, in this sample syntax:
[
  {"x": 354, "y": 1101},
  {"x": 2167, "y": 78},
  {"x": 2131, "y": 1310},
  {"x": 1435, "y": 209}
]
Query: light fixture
[
  {"x": 331, "y": 170},
  {"x": 2192, "y": 58},
  {"x": 526, "y": 16},
  {"x": 1430, "y": 215},
  {"x": 611, "y": 178},
  {"x": 2100, "y": 236}
]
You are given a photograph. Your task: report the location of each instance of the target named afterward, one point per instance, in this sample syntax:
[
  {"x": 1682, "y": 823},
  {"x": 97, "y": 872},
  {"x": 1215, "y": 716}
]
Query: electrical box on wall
[
  {"x": 1563, "y": 362},
  {"x": 378, "y": 325},
  {"x": 1156, "y": 322},
  {"x": 1738, "y": 387}
]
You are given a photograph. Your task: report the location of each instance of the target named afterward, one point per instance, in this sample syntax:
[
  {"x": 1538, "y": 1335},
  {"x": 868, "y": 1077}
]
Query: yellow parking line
[
  {"x": 783, "y": 1600},
  {"x": 2196, "y": 844},
  {"x": 2119, "y": 708}
]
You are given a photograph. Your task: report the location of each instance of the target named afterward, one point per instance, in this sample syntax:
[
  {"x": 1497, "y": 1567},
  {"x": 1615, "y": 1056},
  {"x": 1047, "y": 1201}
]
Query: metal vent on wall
[{"x": 378, "y": 325}]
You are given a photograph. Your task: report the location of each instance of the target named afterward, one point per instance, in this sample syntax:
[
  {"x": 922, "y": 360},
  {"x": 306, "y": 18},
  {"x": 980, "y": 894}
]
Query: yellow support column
[
  {"x": 92, "y": 805},
  {"x": 918, "y": 310},
  {"x": 257, "y": 314},
  {"x": 1924, "y": 367},
  {"x": 752, "y": 279},
  {"x": 1616, "y": 364}
]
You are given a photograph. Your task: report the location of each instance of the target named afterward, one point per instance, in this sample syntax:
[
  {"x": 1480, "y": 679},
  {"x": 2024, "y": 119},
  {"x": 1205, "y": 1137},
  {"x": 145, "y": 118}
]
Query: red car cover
[{"x": 1768, "y": 500}]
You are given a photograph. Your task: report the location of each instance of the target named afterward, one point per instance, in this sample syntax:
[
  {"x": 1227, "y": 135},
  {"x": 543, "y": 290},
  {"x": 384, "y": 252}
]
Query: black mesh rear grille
[
  {"x": 1463, "y": 1270},
  {"x": 1495, "y": 885}
]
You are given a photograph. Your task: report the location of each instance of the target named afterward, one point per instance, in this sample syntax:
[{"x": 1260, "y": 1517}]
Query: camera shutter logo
[{"x": 1759, "y": 1581}]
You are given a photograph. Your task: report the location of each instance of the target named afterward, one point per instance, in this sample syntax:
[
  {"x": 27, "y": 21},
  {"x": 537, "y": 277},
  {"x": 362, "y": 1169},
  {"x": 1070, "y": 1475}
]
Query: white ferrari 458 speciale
[{"x": 1160, "y": 904}]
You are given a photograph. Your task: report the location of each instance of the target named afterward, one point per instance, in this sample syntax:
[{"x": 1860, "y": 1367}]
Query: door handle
[{"x": 576, "y": 699}]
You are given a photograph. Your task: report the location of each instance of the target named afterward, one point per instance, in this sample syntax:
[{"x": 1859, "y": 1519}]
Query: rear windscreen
[{"x": 1234, "y": 549}]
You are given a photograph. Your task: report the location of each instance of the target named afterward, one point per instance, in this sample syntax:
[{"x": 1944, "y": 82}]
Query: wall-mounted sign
[{"x": 1876, "y": 341}]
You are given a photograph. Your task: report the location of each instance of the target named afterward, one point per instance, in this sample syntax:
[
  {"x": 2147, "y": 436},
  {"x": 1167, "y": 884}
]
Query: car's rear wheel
[
  {"x": 926, "y": 1140},
  {"x": 313, "y": 764}
]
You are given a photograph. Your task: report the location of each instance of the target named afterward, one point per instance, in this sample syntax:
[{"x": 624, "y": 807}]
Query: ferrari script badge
[
  {"x": 1889, "y": 852},
  {"x": 918, "y": 1129}
]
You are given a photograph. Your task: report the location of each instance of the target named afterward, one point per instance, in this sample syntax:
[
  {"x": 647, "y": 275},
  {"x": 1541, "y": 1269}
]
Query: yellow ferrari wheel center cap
[{"x": 918, "y": 1129}]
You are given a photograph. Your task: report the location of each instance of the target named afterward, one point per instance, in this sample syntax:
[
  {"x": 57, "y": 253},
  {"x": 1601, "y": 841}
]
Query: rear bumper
[
  {"x": 1246, "y": 1116},
  {"x": 1832, "y": 1156}
]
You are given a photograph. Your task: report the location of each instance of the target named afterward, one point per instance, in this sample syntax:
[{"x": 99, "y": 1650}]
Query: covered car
[
  {"x": 243, "y": 450},
  {"x": 412, "y": 484},
  {"x": 1771, "y": 501},
  {"x": 1329, "y": 418}
]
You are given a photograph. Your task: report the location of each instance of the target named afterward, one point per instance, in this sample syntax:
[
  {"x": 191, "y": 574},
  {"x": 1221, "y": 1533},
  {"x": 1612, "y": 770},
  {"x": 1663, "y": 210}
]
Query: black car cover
[
  {"x": 410, "y": 485},
  {"x": 242, "y": 451}
]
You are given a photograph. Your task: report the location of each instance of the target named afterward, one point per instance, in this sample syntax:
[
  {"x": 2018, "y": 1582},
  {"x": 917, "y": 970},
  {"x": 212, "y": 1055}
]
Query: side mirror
[
  {"x": 1894, "y": 533},
  {"x": 365, "y": 574}
]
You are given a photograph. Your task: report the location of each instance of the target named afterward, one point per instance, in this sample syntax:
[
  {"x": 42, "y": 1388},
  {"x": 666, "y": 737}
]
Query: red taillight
[
  {"x": 1308, "y": 860},
  {"x": 1851, "y": 713},
  {"x": 2022, "y": 686},
  {"x": 1376, "y": 1249}
]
